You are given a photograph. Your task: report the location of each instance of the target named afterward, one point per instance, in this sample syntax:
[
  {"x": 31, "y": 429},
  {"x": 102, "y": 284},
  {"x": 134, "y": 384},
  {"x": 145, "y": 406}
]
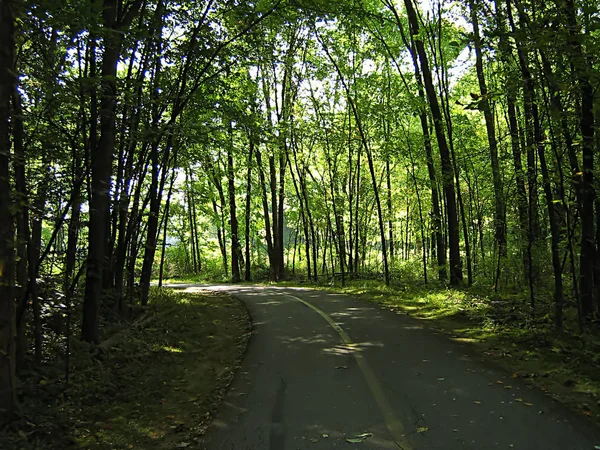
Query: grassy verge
[
  {"x": 564, "y": 365},
  {"x": 156, "y": 389}
]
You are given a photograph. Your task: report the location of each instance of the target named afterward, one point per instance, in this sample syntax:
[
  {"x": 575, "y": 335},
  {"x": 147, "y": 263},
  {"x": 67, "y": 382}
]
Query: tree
[
  {"x": 8, "y": 392},
  {"x": 447, "y": 172}
]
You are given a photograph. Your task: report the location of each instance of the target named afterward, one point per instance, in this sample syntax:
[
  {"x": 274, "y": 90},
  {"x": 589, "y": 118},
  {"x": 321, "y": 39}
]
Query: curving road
[{"x": 327, "y": 371}]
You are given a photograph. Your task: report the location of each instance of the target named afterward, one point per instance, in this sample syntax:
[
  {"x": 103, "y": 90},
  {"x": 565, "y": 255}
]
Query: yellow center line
[{"x": 392, "y": 422}]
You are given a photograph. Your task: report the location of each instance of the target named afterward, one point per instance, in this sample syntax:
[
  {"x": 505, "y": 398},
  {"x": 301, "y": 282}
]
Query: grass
[
  {"x": 565, "y": 365},
  {"x": 156, "y": 389}
]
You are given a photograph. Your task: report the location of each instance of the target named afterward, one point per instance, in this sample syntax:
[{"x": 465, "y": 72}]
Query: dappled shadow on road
[
  {"x": 349, "y": 349},
  {"x": 291, "y": 345}
]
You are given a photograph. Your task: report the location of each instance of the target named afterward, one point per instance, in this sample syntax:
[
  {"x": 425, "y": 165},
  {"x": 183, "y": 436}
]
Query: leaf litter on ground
[{"x": 155, "y": 390}]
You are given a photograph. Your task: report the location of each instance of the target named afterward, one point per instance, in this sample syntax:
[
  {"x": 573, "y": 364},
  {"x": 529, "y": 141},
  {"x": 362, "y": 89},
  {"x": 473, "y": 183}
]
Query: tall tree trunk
[
  {"x": 233, "y": 221},
  {"x": 390, "y": 210},
  {"x": 160, "y": 168},
  {"x": 309, "y": 216},
  {"x": 71, "y": 254},
  {"x": 421, "y": 220},
  {"x": 556, "y": 241},
  {"x": 280, "y": 211},
  {"x": 484, "y": 104},
  {"x": 588, "y": 255},
  {"x": 263, "y": 185},
  {"x": 101, "y": 161},
  {"x": 165, "y": 227},
  {"x": 273, "y": 185},
  {"x": 447, "y": 172},
  {"x": 190, "y": 202},
  {"x": 247, "y": 275},
  {"x": 338, "y": 220},
  {"x": 8, "y": 393},
  {"x": 26, "y": 268},
  {"x": 221, "y": 239},
  {"x": 304, "y": 222},
  {"x": 436, "y": 219},
  {"x": 364, "y": 141},
  {"x": 532, "y": 220}
]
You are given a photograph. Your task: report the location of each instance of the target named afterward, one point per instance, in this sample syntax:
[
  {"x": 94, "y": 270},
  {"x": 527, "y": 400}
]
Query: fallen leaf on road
[
  {"x": 359, "y": 438},
  {"x": 422, "y": 429},
  {"x": 325, "y": 435},
  {"x": 520, "y": 400},
  {"x": 441, "y": 379},
  {"x": 528, "y": 404},
  {"x": 477, "y": 402},
  {"x": 365, "y": 435}
]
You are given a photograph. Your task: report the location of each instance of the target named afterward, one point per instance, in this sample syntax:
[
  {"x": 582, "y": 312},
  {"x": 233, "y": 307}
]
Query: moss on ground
[{"x": 156, "y": 389}]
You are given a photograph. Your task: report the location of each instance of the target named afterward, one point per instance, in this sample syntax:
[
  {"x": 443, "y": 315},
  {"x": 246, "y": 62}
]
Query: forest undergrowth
[{"x": 156, "y": 388}]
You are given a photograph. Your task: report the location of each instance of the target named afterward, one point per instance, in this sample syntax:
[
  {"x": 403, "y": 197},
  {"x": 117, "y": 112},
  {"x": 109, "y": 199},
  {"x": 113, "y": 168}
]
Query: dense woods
[{"x": 411, "y": 142}]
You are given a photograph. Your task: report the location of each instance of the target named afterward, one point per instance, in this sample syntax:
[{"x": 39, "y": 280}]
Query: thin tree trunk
[
  {"x": 280, "y": 211},
  {"x": 26, "y": 269},
  {"x": 8, "y": 392},
  {"x": 165, "y": 227},
  {"x": 484, "y": 104},
  {"x": 304, "y": 224},
  {"x": 192, "y": 228},
  {"x": 233, "y": 221},
  {"x": 588, "y": 263},
  {"x": 221, "y": 239},
  {"x": 390, "y": 211},
  {"x": 101, "y": 163},
  {"x": 247, "y": 275},
  {"x": 364, "y": 142},
  {"x": 263, "y": 185},
  {"x": 422, "y": 222},
  {"x": 160, "y": 168},
  {"x": 447, "y": 172},
  {"x": 101, "y": 160}
]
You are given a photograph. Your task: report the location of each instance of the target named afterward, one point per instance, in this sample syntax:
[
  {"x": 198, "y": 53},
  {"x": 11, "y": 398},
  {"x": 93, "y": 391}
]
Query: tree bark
[
  {"x": 247, "y": 274},
  {"x": 233, "y": 221},
  {"x": 8, "y": 393},
  {"x": 588, "y": 255},
  {"x": 484, "y": 104},
  {"x": 447, "y": 172},
  {"x": 101, "y": 161},
  {"x": 263, "y": 185}
]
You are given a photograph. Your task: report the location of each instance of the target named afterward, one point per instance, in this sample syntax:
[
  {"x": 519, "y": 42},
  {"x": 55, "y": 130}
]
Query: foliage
[
  {"x": 410, "y": 143},
  {"x": 154, "y": 389}
]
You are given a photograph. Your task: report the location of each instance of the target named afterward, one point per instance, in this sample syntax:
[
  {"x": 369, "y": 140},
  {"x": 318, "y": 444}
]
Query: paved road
[{"x": 323, "y": 368}]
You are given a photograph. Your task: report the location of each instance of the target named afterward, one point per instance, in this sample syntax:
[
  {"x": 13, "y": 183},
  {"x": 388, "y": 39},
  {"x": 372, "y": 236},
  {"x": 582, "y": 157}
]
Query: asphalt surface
[{"x": 328, "y": 371}]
